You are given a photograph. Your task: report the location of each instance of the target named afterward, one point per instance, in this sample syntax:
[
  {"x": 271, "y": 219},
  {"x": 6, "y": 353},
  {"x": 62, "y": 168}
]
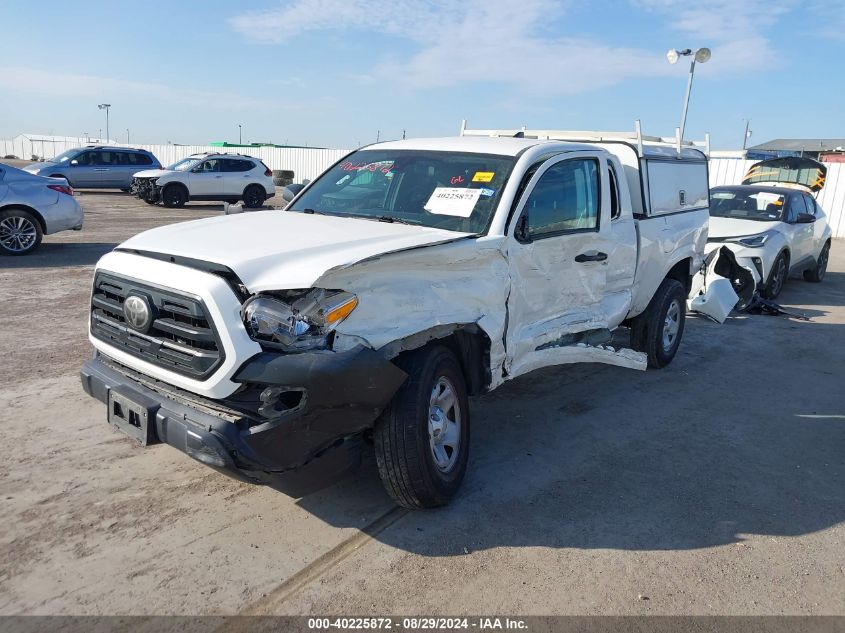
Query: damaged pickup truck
[{"x": 409, "y": 276}]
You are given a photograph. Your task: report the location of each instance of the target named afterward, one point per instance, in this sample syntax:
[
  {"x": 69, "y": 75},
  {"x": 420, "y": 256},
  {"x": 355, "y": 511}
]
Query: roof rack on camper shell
[{"x": 636, "y": 136}]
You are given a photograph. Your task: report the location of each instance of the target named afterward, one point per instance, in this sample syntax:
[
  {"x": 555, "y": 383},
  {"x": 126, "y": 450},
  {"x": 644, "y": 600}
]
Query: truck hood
[
  {"x": 278, "y": 250},
  {"x": 735, "y": 227}
]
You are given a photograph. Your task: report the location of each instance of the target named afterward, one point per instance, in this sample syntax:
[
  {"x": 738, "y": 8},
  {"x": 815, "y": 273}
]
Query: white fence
[
  {"x": 729, "y": 171},
  {"x": 305, "y": 163}
]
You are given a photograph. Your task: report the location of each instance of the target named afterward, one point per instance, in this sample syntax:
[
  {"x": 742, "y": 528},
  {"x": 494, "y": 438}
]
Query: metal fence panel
[{"x": 308, "y": 163}]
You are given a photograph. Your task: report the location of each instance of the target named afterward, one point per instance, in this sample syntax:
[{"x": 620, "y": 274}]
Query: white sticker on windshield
[{"x": 453, "y": 201}]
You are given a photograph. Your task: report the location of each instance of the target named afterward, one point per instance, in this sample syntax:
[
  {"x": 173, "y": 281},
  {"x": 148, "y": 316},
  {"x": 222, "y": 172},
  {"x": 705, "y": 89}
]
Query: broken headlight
[
  {"x": 755, "y": 241},
  {"x": 297, "y": 320}
]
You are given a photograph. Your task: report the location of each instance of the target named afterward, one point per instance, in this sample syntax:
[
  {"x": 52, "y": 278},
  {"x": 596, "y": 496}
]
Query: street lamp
[
  {"x": 240, "y": 141},
  {"x": 106, "y": 106},
  {"x": 701, "y": 56}
]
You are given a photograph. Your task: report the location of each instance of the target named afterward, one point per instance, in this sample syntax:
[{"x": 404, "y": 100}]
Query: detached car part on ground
[
  {"x": 278, "y": 345},
  {"x": 208, "y": 176},
  {"x": 33, "y": 206}
]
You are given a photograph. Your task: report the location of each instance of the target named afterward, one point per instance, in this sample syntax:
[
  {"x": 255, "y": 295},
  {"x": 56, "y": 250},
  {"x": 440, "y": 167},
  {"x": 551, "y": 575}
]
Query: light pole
[
  {"x": 106, "y": 106},
  {"x": 240, "y": 138},
  {"x": 701, "y": 55},
  {"x": 747, "y": 133},
  {"x": 127, "y": 136}
]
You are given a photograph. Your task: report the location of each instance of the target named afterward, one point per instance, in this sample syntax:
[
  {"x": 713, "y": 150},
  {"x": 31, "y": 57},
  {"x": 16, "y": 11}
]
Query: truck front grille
[{"x": 181, "y": 337}]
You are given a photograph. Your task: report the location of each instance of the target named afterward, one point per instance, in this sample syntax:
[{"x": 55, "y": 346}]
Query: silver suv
[
  {"x": 208, "y": 176},
  {"x": 97, "y": 166}
]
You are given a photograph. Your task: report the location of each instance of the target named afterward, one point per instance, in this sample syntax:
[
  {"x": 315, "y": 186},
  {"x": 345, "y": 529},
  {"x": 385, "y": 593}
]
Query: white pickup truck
[{"x": 277, "y": 345}]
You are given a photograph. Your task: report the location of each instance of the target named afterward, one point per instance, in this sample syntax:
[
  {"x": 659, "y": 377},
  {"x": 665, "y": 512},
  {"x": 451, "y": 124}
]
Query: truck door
[{"x": 559, "y": 245}]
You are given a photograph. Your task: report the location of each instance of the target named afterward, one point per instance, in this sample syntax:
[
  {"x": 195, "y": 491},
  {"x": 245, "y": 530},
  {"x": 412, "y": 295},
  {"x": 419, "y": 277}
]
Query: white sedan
[
  {"x": 33, "y": 206},
  {"x": 773, "y": 231}
]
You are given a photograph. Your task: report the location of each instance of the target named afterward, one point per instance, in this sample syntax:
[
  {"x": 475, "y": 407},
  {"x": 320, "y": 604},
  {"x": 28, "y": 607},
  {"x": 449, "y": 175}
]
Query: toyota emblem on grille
[{"x": 137, "y": 312}]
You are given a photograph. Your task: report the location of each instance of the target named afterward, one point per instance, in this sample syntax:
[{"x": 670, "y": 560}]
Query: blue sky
[{"x": 337, "y": 72}]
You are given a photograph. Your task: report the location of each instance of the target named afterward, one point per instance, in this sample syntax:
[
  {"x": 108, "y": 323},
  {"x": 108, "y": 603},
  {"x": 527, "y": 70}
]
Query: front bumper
[
  {"x": 755, "y": 260},
  {"x": 257, "y": 434},
  {"x": 146, "y": 189}
]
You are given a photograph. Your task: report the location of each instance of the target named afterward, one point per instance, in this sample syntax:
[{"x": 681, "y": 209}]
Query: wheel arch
[
  {"x": 467, "y": 341},
  {"x": 681, "y": 271},
  {"x": 34, "y": 212}
]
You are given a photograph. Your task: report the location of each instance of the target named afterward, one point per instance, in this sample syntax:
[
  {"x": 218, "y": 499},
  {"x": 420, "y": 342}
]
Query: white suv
[{"x": 227, "y": 177}]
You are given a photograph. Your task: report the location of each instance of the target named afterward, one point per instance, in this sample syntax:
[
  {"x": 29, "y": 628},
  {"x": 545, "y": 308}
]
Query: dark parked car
[{"x": 98, "y": 167}]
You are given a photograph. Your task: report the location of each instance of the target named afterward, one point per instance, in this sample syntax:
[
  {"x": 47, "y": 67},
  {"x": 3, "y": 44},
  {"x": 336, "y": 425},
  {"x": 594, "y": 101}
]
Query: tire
[
  {"x": 20, "y": 232},
  {"x": 417, "y": 470},
  {"x": 148, "y": 201},
  {"x": 816, "y": 274},
  {"x": 658, "y": 331},
  {"x": 777, "y": 276},
  {"x": 174, "y": 196},
  {"x": 254, "y": 197}
]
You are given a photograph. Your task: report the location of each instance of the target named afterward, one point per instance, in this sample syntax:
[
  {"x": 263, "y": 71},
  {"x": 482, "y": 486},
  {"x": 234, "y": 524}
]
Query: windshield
[
  {"x": 764, "y": 206},
  {"x": 446, "y": 190},
  {"x": 66, "y": 156},
  {"x": 185, "y": 164}
]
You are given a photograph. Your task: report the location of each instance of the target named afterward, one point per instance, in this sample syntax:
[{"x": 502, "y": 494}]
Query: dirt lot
[{"x": 716, "y": 486}]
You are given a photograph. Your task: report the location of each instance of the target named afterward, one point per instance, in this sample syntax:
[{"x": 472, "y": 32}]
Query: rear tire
[
  {"x": 20, "y": 232},
  {"x": 422, "y": 438},
  {"x": 816, "y": 274},
  {"x": 777, "y": 277},
  {"x": 174, "y": 196},
  {"x": 254, "y": 197},
  {"x": 658, "y": 331}
]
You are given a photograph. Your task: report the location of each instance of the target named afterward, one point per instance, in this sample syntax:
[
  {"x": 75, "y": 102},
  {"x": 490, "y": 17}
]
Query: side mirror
[
  {"x": 805, "y": 218},
  {"x": 74, "y": 162},
  {"x": 290, "y": 191},
  {"x": 521, "y": 231}
]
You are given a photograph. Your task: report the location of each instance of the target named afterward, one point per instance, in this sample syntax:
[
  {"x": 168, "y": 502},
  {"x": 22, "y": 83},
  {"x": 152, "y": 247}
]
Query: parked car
[
  {"x": 209, "y": 176},
  {"x": 97, "y": 167},
  {"x": 773, "y": 231},
  {"x": 33, "y": 206},
  {"x": 407, "y": 277}
]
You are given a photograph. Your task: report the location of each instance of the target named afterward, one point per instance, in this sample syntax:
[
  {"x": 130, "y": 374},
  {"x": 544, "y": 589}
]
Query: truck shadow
[
  {"x": 742, "y": 435},
  {"x": 58, "y": 255}
]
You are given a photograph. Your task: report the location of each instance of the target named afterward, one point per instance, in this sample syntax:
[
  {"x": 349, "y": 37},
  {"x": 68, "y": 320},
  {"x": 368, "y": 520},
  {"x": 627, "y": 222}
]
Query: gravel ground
[{"x": 715, "y": 486}]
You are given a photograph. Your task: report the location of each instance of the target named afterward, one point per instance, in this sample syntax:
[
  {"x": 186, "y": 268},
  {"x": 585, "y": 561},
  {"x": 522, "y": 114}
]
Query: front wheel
[
  {"x": 174, "y": 196},
  {"x": 254, "y": 196},
  {"x": 658, "y": 330},
  {"x": 20, "y": 232},
  {"x": 817, "y": 274},
  {"x": 422, "y": 438},
  {"x": 777, "y": 277}
]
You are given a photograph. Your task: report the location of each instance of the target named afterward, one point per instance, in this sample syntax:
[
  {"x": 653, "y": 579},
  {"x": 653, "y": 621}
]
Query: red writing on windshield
[
  {"x": 456, "y": 180},
  {"x": 373, "y": 167}
]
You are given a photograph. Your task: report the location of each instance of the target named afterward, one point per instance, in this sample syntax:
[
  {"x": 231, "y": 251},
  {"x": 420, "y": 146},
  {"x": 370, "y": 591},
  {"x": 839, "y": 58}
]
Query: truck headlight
[
  {"x": 755, "y": 241},
  {"x": 297, "y": 320}
]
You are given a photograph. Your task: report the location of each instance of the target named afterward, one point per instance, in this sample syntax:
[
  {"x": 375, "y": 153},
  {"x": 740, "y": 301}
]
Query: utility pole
[
  {"x": 378, "y": 135},
  {"x": 105, "y": 106},
  {"x": 747, "y": 133},
  {"x": 127, "y": 136},
  {"x": 240, "y": 139}
]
